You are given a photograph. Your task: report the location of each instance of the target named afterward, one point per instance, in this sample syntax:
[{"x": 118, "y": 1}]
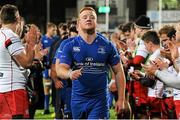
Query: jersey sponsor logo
[
  {"x": 45, "y": 41},
  {"x": 101, "y": 50},
  {"x": 89, "y": 59},
  {"x": 76, "y": 49},
  {"x": 91, "y": 67},
  {"x": 8, "y": 43}
]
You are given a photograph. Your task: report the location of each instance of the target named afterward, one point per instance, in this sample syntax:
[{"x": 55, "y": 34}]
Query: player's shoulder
[
  {"x": 43, "y": 37},
  {"x": 56, "y": 37},
  {"x": 69, "y": 43},
  {"x": 8, "y": 33},
  {"x": 67, "y": 40},
  {"x": 103, "y": 40},
  {"x": 141, "y": 45},
  {"x": 156, "y": 54},
  {"x": 74, "y": 40}
]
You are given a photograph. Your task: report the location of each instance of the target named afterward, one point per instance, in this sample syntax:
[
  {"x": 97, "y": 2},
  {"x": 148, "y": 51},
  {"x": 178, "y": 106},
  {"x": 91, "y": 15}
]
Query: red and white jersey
[
  {"x": 141, "y": 48},
  {"x": 157, "y": 91},
  {"x": 11, "y": 77},
  {"x": 176, "y": 92}
]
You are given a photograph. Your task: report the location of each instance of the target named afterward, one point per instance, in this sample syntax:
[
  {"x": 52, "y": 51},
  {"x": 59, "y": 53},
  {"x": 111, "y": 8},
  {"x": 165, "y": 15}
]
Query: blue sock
[{"x": 46, "y": 102}]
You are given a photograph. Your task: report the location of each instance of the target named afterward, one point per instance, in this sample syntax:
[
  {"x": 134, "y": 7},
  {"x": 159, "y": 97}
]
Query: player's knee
[{"x": 47, "y": 83}]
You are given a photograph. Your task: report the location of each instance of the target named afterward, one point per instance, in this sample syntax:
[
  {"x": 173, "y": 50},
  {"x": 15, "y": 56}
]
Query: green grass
[
  {"x": 39, "y": 114},
  {"x": 112, "y": 114}
]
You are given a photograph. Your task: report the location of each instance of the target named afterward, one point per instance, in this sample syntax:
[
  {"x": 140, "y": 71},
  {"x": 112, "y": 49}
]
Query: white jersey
[
  {"x": 11, "y": 77},
  {"x": 141, "y": 49},
  {"x": 176, "y": 91},
  {"x": 157, "y": 91}
]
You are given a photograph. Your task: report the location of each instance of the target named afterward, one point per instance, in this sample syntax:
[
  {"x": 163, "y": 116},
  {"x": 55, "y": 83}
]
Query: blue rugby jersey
[
  {"x": 94, "y": 58},
  {"x": 47, "y": 42},
  {"x": 59, "y": 50}
]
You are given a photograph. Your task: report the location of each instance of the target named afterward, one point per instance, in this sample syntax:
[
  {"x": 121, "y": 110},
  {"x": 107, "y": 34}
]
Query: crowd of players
[{"x": 39, "y": 64}]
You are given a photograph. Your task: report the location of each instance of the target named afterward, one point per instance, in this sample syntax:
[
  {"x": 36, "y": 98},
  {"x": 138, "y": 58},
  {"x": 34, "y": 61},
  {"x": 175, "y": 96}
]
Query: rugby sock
[{"x": 46, "y": 102}]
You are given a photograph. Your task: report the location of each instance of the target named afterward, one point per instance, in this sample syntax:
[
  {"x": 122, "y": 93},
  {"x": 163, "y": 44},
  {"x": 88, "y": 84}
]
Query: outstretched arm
[{"x": 168, "y": 78}]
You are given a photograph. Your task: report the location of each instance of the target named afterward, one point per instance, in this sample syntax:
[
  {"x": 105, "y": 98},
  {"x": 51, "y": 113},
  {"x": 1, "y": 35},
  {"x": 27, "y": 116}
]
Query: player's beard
[{"x": 89, "y": 31}]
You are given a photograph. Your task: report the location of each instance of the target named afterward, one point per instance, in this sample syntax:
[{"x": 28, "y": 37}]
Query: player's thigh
[
  {"x": 5, "y": 112},
  {"x": 18, "y": 103},
  {"x": 100, "y": 109},
  {"x": 78, "y": 108}
]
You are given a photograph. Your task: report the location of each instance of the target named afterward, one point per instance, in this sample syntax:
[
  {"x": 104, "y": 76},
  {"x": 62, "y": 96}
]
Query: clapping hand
[
  {"x": 39, "y": 51},
  {"x": 161, "y": 64},
  {"x": 174, "y": 50},
  {"x": 31, "y": 36},
  {"x": 150, "y": 69},
  {"x": 136, "y": 74}
]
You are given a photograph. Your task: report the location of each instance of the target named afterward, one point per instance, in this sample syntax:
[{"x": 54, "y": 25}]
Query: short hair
[
  {"x": 72, "y": 26},
  {"x": 8, "y": 14},
  {"x": 168, "y": 30},
  {"x": 87, "y": 8},
  {"x": 71, "y": 23},
  {"x": 50, "y": 25},
  {"x": 151, "y": 36},
  {"x": 128, "y": 27},
  {"x": 120, "y": 27},
  {"x": 63, "y": 26}
]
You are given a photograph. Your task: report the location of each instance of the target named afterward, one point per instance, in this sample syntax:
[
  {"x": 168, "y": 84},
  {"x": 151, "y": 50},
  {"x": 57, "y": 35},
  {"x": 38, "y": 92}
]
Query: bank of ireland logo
[
  {"x": 101, "y": 50},
  {"x": 76, "y": 49}
]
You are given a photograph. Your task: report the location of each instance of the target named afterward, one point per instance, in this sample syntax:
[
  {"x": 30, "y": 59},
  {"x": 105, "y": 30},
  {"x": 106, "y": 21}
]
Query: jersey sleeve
[
  {"x": 58, "y": 53},
  {"x": 141, "y": 50},
  {"x": 65, "y": 55},
  {"x": 114, "y": 56},
  {"x": 59, "y": 50},
  {"x": 168, "y": 78},
  {"x": 14, "y": 45}
]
